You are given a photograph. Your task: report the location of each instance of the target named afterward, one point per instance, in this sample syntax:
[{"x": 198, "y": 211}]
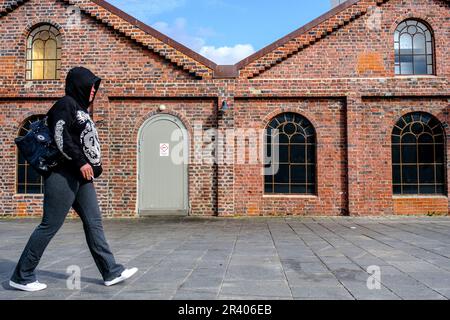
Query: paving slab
[{"x": 186, "y": 258}]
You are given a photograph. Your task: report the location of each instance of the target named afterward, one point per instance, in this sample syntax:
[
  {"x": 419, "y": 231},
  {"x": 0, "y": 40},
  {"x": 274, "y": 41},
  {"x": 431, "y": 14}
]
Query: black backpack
[{"x": 38, "y": 147}]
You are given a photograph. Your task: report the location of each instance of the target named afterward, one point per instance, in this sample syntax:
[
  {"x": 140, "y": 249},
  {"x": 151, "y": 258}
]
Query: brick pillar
[
  {"x": 354, "y": 125},
  {"x": 225, "y": 166}
]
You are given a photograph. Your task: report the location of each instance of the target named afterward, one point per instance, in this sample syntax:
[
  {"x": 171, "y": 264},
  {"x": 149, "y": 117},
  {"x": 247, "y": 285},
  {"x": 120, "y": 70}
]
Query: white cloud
[
  {"x": 178, "y": 31},
  {"x": 198, "y": 42},
  {"x": 227, "y": 55}
]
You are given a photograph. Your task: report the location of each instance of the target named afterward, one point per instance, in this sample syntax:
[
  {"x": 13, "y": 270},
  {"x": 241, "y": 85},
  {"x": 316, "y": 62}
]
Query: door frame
[{"x": 186, "y": 142}]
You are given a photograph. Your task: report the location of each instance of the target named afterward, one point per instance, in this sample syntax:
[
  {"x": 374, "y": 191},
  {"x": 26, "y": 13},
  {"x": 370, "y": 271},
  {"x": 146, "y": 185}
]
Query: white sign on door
[{"x": 164, "y": 150}]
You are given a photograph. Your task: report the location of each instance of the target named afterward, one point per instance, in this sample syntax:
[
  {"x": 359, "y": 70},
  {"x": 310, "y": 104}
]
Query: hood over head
[{"x": 79, "y": 83}]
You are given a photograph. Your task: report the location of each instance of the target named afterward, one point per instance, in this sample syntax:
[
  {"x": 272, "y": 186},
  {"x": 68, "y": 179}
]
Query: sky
[{"x": 225, "y": 31}]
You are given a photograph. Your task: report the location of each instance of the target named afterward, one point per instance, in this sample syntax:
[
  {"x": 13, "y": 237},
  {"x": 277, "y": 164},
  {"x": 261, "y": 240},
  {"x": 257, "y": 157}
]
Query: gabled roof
[
  {"x": 196, "y": 64},
  {"x": 147, "y": 36},
  {"x": 303, "y": 37}
]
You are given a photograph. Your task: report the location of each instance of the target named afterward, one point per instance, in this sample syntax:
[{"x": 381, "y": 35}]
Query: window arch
[
  {"x": 28, "y": 181},
  {"x": 294, "y": 171},
  {"x": 414, "y": 49},
  {"x": 43, "y": 53},
  {"x": 418, "y": 155}
]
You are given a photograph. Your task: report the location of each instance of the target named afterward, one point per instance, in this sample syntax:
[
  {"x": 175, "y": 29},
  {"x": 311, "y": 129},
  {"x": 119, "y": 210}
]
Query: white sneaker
[
  {"x": 31, "y": 287},
  {"x": 126, "y": 274}
]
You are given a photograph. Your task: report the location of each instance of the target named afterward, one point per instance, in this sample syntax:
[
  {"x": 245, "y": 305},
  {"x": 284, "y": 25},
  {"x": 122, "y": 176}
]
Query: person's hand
[{"x": 87, "y": 172}]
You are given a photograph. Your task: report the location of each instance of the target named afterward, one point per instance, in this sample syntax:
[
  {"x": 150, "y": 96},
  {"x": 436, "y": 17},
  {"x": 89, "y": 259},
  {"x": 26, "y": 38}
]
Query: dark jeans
[{"x": 63, "y": 190}]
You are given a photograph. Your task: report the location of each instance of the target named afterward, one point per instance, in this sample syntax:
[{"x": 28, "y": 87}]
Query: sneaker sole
[
  {"x": 119, "y": 280},
  {"x": 24, "y": 288}
]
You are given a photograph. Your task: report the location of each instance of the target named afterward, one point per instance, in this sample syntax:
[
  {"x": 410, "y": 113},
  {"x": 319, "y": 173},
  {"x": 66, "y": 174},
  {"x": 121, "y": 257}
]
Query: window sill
[
  {"x": 415, "y": 76},
  {"x": 419, "y": 197},
  {"x": 290, "y": 196}
]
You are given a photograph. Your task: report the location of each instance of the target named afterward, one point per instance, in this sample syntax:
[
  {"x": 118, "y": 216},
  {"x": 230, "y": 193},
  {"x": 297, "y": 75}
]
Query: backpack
[{"x": 38, "y": 147}]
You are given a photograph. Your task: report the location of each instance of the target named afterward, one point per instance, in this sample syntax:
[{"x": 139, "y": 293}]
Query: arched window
[
  {"x": 413, "y": 49},
  {"x": 295, "y": 170},
  {"x": 44, "y": 53},
  {"x": 28, "y": 180},
  {"x": 418, "y": 155}
]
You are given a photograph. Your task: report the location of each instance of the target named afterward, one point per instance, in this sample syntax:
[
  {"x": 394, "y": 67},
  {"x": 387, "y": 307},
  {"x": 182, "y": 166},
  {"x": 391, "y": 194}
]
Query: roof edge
[
  {"x": 296, "y": 33},
  {"x": 155, "y": 33}
]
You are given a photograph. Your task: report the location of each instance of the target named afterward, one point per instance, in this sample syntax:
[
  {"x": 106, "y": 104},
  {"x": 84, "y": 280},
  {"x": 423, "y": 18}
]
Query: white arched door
[{"x": 163, "y": 167}]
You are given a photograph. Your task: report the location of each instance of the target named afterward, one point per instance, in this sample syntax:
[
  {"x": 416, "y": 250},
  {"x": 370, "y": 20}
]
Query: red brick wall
[
  {"x": 124, "y": 121},
  {"x": 421, "y": 205},
  {"x": 343, "y": 83},
  {"x": 328, "y": 118},
  {"x": 371, "y": 182},
  {"x": 359, "y": 50}
]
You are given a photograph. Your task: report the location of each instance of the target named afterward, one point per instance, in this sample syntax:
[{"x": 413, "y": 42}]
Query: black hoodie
[{"x": 69, "y": 121}]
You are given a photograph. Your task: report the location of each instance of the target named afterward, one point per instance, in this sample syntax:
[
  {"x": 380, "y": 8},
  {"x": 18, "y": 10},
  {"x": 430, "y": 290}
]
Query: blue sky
[{"x": 225, "y": 31}]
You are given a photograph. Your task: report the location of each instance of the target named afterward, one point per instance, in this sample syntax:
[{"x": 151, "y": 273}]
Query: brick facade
[{"x": 337, "y": 71}]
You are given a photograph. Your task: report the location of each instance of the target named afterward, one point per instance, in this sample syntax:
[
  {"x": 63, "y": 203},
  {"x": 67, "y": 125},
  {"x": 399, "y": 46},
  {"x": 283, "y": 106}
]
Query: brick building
[{"x": 360, "y": 96}]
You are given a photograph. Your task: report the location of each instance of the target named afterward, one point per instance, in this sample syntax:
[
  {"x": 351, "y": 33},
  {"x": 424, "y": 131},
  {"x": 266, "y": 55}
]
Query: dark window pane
[
  {"x": 311, "y": 189},
  {"x": 396, "y": 154},
  {"x": 282, "y": 176},
  {"x": 268, "y": 178},
  {"x": 396, "y": 174},
  {"x": 409, "y": 138},
  {"x": 410, "y": 189},
  {"x": 440, "y": 189},
  {"x": 426, "y": 153},
  {"x": 427, "y": 189},
  {"x": 439, "y": 138},
  {"x": 283, "y": 138},
  {"x": 426, "y": 138},
  {"x": 298, "y": 138},
  {"x": 311, "y": 154},
  {"x": 298, "y": 154},
  {"x": 298, "y": 189},
  {"x": 20, "y": 188},
  {"x": 284, "y": 153},
  {"x": 268, "y": 188},
  {"x": 298, "y": 174},
  {"x": 397, "y": 189},
  {"x": 33, "y": 189},
  {"x": 21, "y": 174},
  {"x": 395, "y": 139},
  {"x": 409, "y": 154},
  {"x": 440, "y": 158},
  {"x": 409, "y": 174},
  {"x": 311, "y": 174},
  {"x": 290, "y": 128},
  {"x": 32, "y": 176},
  {"x": 426, "y": 174},
  {"x": 20, "y": 158},
  {"x": 440, "y": 174},
  {"x": 281, "y": 188},
  {"x": 309, "y": 130}
]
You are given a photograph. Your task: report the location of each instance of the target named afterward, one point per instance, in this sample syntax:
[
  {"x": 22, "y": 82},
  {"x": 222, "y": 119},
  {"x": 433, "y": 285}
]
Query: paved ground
[{"x": 260, "y": 258}]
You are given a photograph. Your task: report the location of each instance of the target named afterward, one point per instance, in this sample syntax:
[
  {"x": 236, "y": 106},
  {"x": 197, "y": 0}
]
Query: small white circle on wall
[{"x": 162, "y": 107}]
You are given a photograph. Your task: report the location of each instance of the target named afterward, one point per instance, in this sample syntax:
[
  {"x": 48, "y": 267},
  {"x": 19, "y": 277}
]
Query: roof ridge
[{"x": 7, "y": 7}]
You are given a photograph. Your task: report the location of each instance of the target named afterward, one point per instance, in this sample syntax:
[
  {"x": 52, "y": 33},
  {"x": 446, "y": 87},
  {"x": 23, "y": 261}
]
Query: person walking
[{"x": 71, "y": 185}]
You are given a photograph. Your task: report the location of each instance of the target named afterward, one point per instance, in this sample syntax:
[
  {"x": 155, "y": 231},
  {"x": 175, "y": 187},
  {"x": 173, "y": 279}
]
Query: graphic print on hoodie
[{"x": 74, "y": 131}]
